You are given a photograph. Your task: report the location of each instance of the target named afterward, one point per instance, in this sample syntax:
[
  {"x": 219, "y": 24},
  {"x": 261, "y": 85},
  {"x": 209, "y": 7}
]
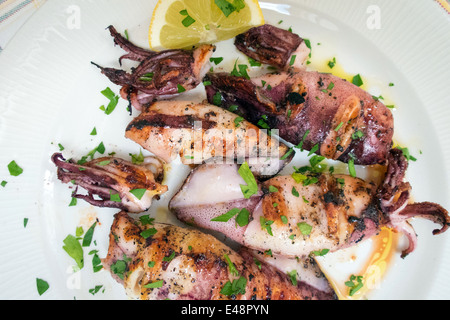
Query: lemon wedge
[{"x": 180, "y": 24}]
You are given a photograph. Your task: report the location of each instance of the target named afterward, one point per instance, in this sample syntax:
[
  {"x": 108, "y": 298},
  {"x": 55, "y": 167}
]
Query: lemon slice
[{"x": 179, "y": 24}]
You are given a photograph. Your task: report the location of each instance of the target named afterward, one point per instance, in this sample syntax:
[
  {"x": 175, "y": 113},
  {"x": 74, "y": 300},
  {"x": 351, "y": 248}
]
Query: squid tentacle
[
  {"x": 394, "y": 196},
  {"x": 108, "y": 176},
  {"x": 159, "y": 75},
  {"x": 135, "y": 53}
]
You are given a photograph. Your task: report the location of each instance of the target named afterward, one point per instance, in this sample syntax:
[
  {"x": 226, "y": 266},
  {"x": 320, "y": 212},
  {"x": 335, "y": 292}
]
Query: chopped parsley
[
  {"x": 228, "y": 8},
  {"x": 234, "y": 288},
  {"x": 351, "y": 166},
  {"x": 313, "y": 150},
  {"x": 155, "y": 284},
  {"x": 96, "y": 261},
  {"x": 226, "y": 216},
  {"x": 320, "y": 253},
  {"x": 357, "y": 135},
  {"x": 216, "y": 60},
  {"x": 14, "y": 169},
  {"x": 292, "y": 61},
  {"x": 295, "y": 192},
  {"x": 114, "y": 197},
  {"x": 252, "y": 187},
  {"x": 169, "y": 258},
  {"x": 147, "y": 77},
  {"x": 406, "y": 153},
  {"x": 100, "y": 149},
  {"x": 103, "y": 163},
  {"x": 355, "y": 283},
  {"x": 254, "y": 63},
  {"x": 298, "y": 177},
  {"x": 188, "y": 20},
  {"x": 148, "y": 233},
  {"x": 305, "y": 228},
  {"x": 120, "y": 267},
  {"x": 73, "y": 202},
  {"x": 240, "y": 70},
  {"x": 42, "y": 286},
  {"x": 87, "y": 239},
  {"x": 137, "y": 158},
  {"x": 308, "y": 45},
  {"x": 95, "y": 290},
  {"x": 138, "y": 193},
  {"x": 273, "y": 189},
  {"x": 357, "y": 80},
  {"x": 293, "y": 276},
  {"x": 73, "y": 248},
  {"x": 113, "y": 101},
  {"x": 145, "y": 219},
  {"x": 237, "y": 121},
  {"x": 231, "y": 265},
  {"x": 332, "y": 63},
  {"x": 339, "y": 126},
  {"x": 241, "y": 219},
  {"x": 217, "y": 99},
  {"x": 266, "y": 224}
]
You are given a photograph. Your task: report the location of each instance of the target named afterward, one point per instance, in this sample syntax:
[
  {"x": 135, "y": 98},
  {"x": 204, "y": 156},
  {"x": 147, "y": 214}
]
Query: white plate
[{"x": 50, "y": 94}]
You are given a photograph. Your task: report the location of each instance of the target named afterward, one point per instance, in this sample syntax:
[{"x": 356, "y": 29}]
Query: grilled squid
[
  {"x": 160, "y": 261},
  {"x": 159, "y": 75},
  {"x": 199, "y": 132},
  {"x": 274, "y": 46},
  {"x": 113, "y": 182},
  {"x": 305, "y": 212},
  {"x": 312, "y": 111}
]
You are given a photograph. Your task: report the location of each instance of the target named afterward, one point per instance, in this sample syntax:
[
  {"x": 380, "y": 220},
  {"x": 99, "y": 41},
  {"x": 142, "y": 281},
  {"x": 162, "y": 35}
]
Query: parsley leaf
[
  {"x": 354, "y": 286},
  {"x": 252, "y": 187},
  {"x": 87, "y": 239},
  {"x": 73, "y": 248},
  {"x": 357, "y": 80},
  {"x": 305, "y": 228},
  {"x": 14, "y": 169},
  {"x": 113, "y": 100},
  {"x": 234, "y": 288},
  {"x": 188, "y": 20},
  {"x": 42, "y": 286},
  {"x": 226, "y": 216},
  {"x": 228, "y": 8}
]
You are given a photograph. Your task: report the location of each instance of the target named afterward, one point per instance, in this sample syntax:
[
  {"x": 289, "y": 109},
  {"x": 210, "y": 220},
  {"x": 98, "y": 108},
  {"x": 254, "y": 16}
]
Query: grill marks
[
  {"x": 154, "y": 119},
  {"x": 192, "y": 265},
  {"x": 321, "y": 108}
]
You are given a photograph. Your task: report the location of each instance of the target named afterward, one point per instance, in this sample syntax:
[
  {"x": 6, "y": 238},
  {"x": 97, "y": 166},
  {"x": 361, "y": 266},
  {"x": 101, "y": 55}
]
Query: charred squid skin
[
  {"x": 271, "y": 45},
  {"x": 107, "y": 177},
  {"x": 317, "y": 110},
  {"x": 201, "y": 132},
  {"x": 192, "y": 265}
]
